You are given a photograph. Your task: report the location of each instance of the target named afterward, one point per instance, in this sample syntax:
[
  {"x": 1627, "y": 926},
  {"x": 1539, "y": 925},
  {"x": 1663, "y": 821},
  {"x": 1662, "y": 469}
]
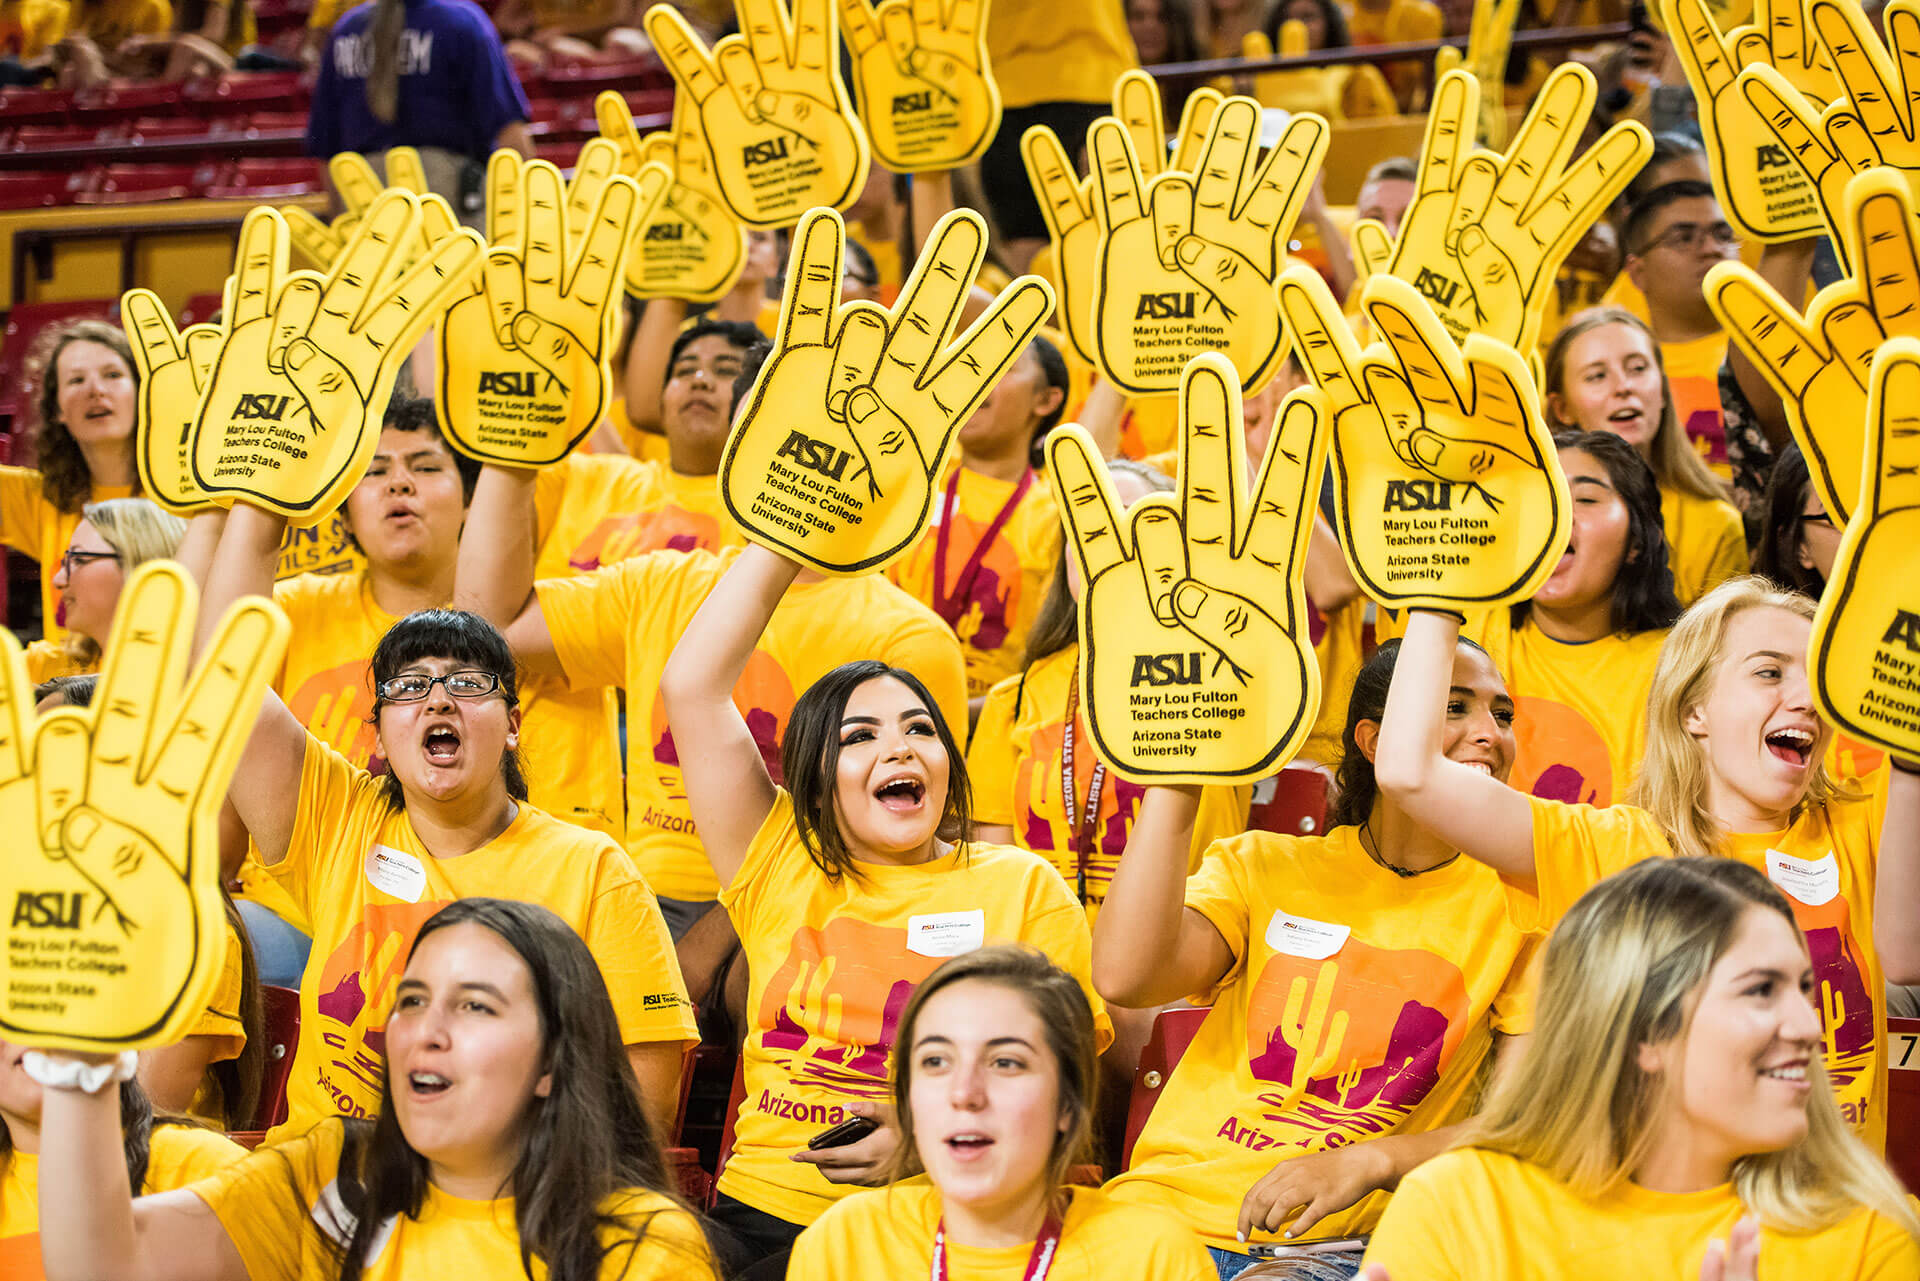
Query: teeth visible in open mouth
[
  {"x": 442, "y": 743},
  {"x": 1482, "y": 766},
  {"x": 1799, "y": 742},
  {"x": 428, "y": 1081},
  {"x": 1787, "y": 1073},
  {"x": 968, "y": 1140},
  {"x": 904, "y": 788}
]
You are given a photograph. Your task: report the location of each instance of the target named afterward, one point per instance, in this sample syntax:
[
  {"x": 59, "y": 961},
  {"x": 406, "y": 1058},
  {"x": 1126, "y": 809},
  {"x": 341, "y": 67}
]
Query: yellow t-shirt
[
  {"x": 887, "y": 266},
  {"x": 992, "y": 609},
  {"x": 830, "y": 966},
  {"x": 38, "y": 530},
  {"x": 325, "y": 548},
  {"x": 618, "y": 626},
  {"x": 1440, "y": 1228},
  {"x": 276, "y": 1206},
  {"x": 1580, "y": 723},
  {"x": 1339, "y": 650},
  {"x": 28, "y": 28},
  {"x": 888, "y": 1232},
  {"x": 1014, "y": 768},
  {"x": 109, "y": 22},
  {"x": 569, "y": 741},
  {"x": 220, "y": 1020},
  {"x": 1706, "y": 542},
  {"x": 1693, "y": 371},
  {"x": 177, "y": 1155},
  {"x": 1420, "y": 972},
  {"x": 1150, "y": 431},
  {"x": 1825, "y": 864},
  {"x": 366, "y": 884},
  {"x": 595, "y": 509},
  {"x": 1058, "y": 52}
]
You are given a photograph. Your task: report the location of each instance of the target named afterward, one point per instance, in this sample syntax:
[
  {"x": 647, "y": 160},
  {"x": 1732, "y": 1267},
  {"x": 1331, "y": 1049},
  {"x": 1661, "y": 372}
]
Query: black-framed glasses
[
  {"x": 1691, "y": 235},
  {"x": 1817, "y": 518},
  {"x": 69, "y": 559},
  {"x": 411, "y": 687}
]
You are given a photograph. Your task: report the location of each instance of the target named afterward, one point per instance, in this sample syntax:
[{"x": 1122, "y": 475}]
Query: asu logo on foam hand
[
  {"x": 920, "y": 72},
  {"x": 691, "y": 246}
]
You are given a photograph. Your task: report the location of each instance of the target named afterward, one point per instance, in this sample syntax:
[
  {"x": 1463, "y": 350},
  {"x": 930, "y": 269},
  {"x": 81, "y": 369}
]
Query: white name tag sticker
[
  {"x": 946, "y": 933},
  {"x": 1298, "y": 936},
  {"x": 1812, "y": 881},
  {"x": 396, "y": 872}
]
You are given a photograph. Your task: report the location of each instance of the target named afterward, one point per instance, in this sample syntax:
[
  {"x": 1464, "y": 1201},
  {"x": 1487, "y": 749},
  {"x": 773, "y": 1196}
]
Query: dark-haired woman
[
  {"x": 366, "y": 859},
  {"x": 506, "y": 1137},
  {"x": 847, "y": 887},
  {"x": 993, "y": 1082},
  {"x": 1579, "y": 656},
  {"x": 1357, "y": 982}
]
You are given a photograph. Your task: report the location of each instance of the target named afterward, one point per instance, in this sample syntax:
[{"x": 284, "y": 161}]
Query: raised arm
[
  {"x": 646, "y": 372},
  {"x": 1896, "y": 895},
  {"x": 1148, "y": 947},
  {"x": 91, "y": 1228},
  {"x": 1470, "y": 810},
  {"x": 728, "y": 788},
  {"x": 494, "y": 578}
]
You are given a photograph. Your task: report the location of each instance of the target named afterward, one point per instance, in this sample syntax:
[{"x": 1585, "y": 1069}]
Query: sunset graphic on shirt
[
  {"x": 630, "y": 534},
  {"x": 1560, "y": 756}
]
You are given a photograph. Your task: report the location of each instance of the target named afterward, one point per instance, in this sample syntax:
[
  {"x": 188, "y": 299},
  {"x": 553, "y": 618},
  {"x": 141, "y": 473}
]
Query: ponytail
[{"x": 383, "y": 78}]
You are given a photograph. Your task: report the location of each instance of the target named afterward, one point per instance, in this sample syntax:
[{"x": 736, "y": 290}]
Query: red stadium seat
[
  {"x": 276, "y": 121},
  {"x": 1173, "y": 1032},
  {"x": 142, "y": 184},
  {"x": 271, "y": 178},
  {"x": 152, "y": 128},
  {"x": 562, "y": 155},
  {"x": 25, "y": 323},
  {"x": 585, "y": 79},
  {"x": 36, "y": 189},
  {"x": 734, "y": 1104},
  {"x": 242, "y": 93},
  {"x": 35, "y": 137},
  {"x": 1291, "y": 803},
  {"x": 1903, "y": 1106},
  {"x": 35, "y": 106},
  {"x": 281, "y": 1008},
  {"x": 108, "y": 103}
]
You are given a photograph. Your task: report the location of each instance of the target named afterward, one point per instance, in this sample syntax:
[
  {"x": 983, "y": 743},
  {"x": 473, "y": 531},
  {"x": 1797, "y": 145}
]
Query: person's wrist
[
  {"x": 86, "y": 1074},
  {"x": 1904, "y": 765}
]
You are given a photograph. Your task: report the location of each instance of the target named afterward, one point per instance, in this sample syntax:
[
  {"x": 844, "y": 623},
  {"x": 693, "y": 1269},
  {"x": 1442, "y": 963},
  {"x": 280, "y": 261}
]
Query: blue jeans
[
  {"x": 1230, "y": 1264},
  {"x": 279, "y": 950},
  {"x": 1327, "y": 1267}
]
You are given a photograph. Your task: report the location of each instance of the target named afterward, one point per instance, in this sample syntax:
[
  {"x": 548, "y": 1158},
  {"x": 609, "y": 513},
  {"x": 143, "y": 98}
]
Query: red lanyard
[
  {"x": 1037, "y": 1263},
  {"x": 953, "y": 608},
  {"x": 1080, "y": 826}
]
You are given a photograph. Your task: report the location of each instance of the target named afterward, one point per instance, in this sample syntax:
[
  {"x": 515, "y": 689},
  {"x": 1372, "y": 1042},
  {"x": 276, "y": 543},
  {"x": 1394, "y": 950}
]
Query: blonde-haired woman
[
  {"x": 1674, "y": 1090},
  {"x": 1605, "y": 373},
  {"x": 113, "y": 539},
  {"x": 1734, "y": 768}
]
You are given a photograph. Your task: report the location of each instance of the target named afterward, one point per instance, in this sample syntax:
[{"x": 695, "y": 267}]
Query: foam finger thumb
[
  {"x": 549, "y": 346},
  {"x": 329, "y": 390},
  {"x": 1221, "y": 619}
]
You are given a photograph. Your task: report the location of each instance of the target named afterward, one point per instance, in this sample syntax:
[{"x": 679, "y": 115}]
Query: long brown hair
[
  {"x": 64, "y": 478},
  {"x": 383, "y": 75}
]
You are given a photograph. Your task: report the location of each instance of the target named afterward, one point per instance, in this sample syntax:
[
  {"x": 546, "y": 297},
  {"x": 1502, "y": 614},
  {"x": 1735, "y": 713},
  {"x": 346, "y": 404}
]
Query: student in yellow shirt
[
  {"x": 1375, "y": 942},
  {"x": 847, "y": 886},
  {"x": 30, "y": 28},
  {"x": 158, "y": 1152},
  {"x": 113, "y": 539},
  {"x": 984, "y": 564},
  {"x": 1671, "y": 1102},
  {"x": 1604, "y": 373},
  {"x": 365, "y": 860},
  {"x": 1579, "y": 656},
  {"x": 993, "y": 1083},
  {"x": 507, "y": 1141},
  {"x": 1734, "y": 768}
]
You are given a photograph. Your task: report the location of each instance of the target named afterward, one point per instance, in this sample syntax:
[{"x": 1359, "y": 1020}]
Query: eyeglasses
[
  {"x": 69, "y": 559},
  {"x": 414, "y": 686},
  {"x": 1691, "y": 235},
  {"x": 1817, "y": 518}
]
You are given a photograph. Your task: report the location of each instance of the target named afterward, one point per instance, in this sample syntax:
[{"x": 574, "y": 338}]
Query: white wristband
[{"x": 72, "y": 1074}]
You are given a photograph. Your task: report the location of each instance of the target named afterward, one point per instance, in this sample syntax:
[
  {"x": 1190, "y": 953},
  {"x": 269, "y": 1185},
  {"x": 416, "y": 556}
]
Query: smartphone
[
  {"x": 851, "y": 1130},
  {"x": 1306, "y": 1249}
]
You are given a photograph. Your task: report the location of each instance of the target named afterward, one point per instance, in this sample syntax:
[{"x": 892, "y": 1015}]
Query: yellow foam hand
[
  {"x": 1188, "y": 260},
  {"x": 772, "y": 113},
  {"x": 118, "y": 929},
  {"x": 175, "y": 369},
  {"x": 1765, "y": 195},
  {"x": 293, "y": 411},
  {"x": 1820, "y": 363},
  {"x": 1865, "y": 649},
  {"x": 920, "y": 73},
  {"x": 523, "y": 365},
  {"x": 359, "y": 185},
  {"x": 1449, "y": 490},
  {"x": 1196, "y": 663},
  {"x": 832, "y": 460},
  {"x": 1066, "y": 202},
  {"x": 690, "y": 245},
  {"x": 1486, "y": 233}
]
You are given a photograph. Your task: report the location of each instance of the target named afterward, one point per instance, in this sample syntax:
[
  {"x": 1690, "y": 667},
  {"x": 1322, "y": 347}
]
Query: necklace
[{"x": 1371, "y": 844}]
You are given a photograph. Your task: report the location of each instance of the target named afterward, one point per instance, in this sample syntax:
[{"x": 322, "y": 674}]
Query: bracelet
[
  {"x": 1903, "y": 765},
  {"x": 72, "y": 1074}
]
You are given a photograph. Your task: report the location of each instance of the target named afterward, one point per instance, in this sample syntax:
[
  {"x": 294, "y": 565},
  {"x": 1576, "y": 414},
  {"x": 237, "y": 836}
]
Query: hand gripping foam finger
[
  {"x": 921, "y": 76},
  {"x": 779, "y": 131},
  {"x": 524, "y": 365},
  {"x": 1196, "y": 665},
  {"x": 292, "y": 413},
  {"x": 832, "y": 461},
  {"x": 174, "y": 370},
  {"x": 1865, "y": 648},
  {"x": 118, "y": 925}
]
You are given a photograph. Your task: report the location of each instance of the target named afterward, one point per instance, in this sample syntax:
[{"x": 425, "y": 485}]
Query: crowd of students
[{"x": 1589, "y": 971}]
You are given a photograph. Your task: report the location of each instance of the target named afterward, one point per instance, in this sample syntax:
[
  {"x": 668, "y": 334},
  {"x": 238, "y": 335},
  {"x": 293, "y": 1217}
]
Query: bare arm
[
  {"x": 196, "y": 550},
  {"x": 1787, "y": 267},
  {"x": 1333, "y": 240},
  {"x": 1329, "y": 582},
  {"x": 728, "y": 788},
  {"x": 1896, "y": 895},
  {"x": 656, "y": 1065},
  {"x": 514, "y": 137},
  {"x": 1148, "y": 946},
  {"x": 646, "y": 375},
  {"x": 171, "y": 1075},
  {"x": 1474, "y": 812},
  {"x": 91, "y": 1228},
  {"x": 494, "y": 577},
  {"x": 931, "y": 200},
  {"x": 1100, "y": 416}
]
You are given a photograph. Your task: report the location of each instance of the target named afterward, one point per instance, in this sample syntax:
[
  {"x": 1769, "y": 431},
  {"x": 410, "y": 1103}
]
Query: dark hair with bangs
[
  {"x": 1643, "y": 598},
  {"x": 1053, "y": 367},
  {"x": 738, "y": 333},
  {"x": 463, "y": 638},
  {"x": 810, "y": 760},
  {"x": 1354, "y": 786},
  {"x": 583, "y": 1144}
]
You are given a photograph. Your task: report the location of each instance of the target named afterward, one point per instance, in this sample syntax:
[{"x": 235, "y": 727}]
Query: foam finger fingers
[
  {"x": 293, "y": 316},
  {"x": 1117, "y": 174},
  {"x": 813, "y": 281},
  {"x": 144, "y": 662},
  {"x": 354, "y": 178},
  {"x": 1171, "y": 199},
  {"x": 1212, "y": 462},
  {"x": 856, "y": 353},
  {"x": 1161, "y": 549},
  {"x": 258, "y": 265},
  {"x": 205, "y": 738},
  {"x": 682, "y": 52},
  {"x": 156, "y": 343},
  {"x": 1088, "y": 508},
  {"x": 1136, "y": 105}
]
